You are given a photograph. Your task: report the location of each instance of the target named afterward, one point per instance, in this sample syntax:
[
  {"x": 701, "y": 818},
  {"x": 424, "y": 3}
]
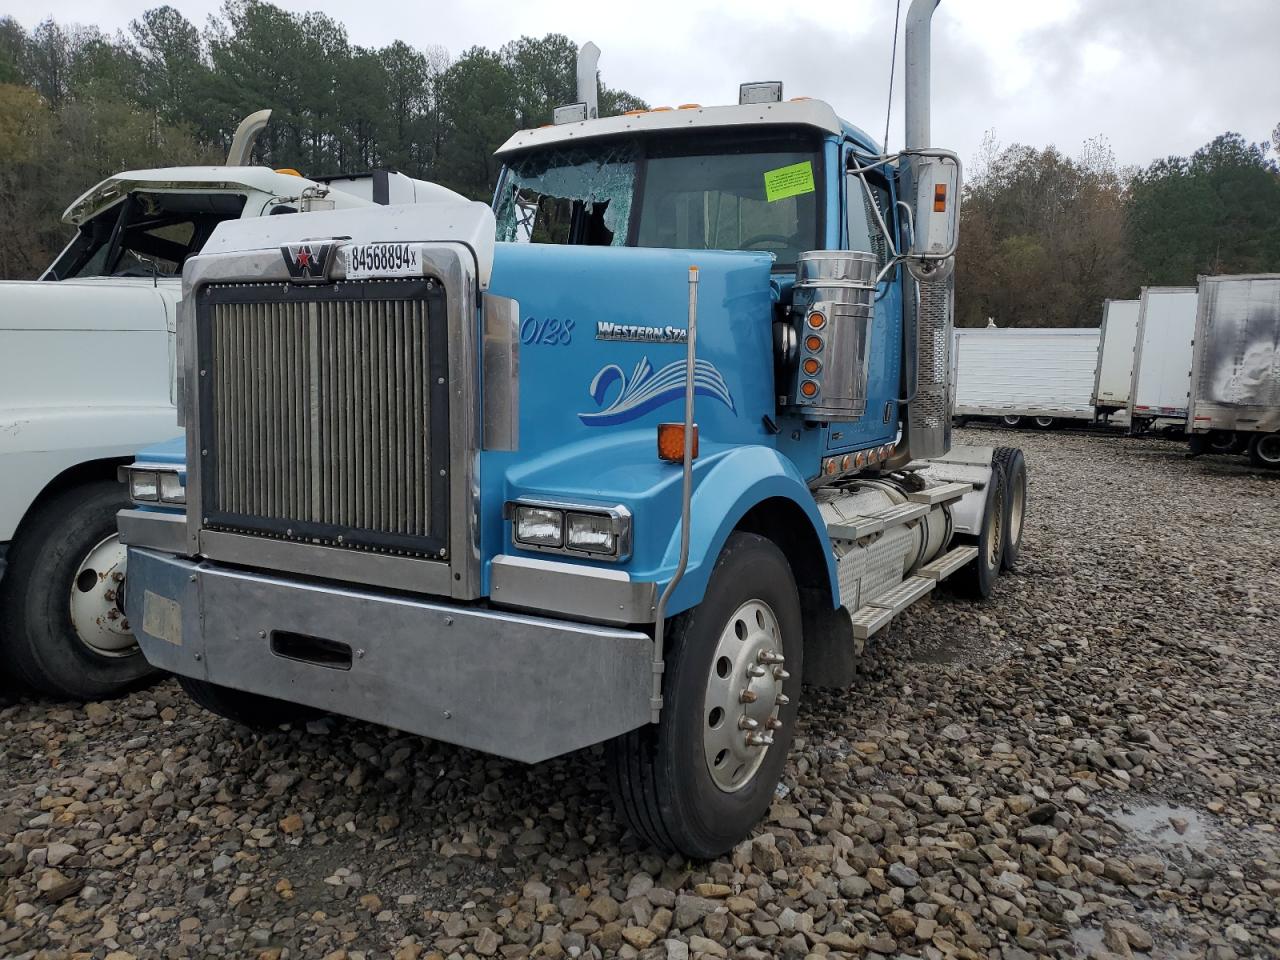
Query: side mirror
[{"x": 935, "y": 216}]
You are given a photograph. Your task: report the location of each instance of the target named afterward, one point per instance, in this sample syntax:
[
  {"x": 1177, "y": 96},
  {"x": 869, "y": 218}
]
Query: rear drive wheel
[
  {"x": 698, "y": 781},
  {"x": 251, "y": 709},
  {"x": 977, "y": 579},
  {"x": 1015, "y": 502},
  {"x": 64, "y": 630},
  {"x": 1011, "y": 421},
  {"x": 1264, "y": 451}
]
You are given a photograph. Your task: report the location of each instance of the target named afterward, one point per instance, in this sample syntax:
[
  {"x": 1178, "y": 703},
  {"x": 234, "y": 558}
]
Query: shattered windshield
[{"x": 703, "y": 193}]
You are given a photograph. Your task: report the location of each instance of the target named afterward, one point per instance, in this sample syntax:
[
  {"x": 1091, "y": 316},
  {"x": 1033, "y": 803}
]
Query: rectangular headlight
[
  {"x": 538, "y": 526},
  {"x": 144, "y": 486},
  {"x": 171, "y": 488},
  {"x": 592, "y": 533}
]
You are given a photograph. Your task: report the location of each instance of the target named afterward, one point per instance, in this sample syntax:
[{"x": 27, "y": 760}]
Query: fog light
[
  {"x": 538, "y": 526},
  {"x": 592, "y": 533},
  {"x": 144, "y": 486}
]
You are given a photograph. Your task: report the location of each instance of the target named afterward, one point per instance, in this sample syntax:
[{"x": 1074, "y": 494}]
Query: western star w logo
[{"x": 308, "y": 262}]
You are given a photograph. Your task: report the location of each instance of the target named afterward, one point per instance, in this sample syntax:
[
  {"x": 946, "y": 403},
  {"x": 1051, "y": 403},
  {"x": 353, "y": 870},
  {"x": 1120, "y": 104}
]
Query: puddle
[{"x": 1168, "y": 826}]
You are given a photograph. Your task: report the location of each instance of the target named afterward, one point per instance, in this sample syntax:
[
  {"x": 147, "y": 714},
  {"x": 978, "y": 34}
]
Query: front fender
[{"x": 739, "y": 480}]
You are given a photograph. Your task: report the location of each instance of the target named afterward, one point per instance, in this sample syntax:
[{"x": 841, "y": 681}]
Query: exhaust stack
[
  {"x": 926, "y": 430},
  {"x": 588, "y": 93},
  {"x": 246, "y": 134}
]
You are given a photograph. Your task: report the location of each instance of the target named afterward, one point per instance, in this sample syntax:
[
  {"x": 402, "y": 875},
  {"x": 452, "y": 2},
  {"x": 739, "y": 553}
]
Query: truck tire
[
  {"x": 1219, "y": 441},
  {"x": 1044, "y": 423},
  {"x": 977, "y": 579},
  {"x": 1015, "y": 502},
  {"x": 1011, "y": 421},
  {"x": 1264, "y": 450},
  {"x": 62, "y": 625},
  {"x": 251, "y": 709},
  {"x": 694, "y": 783}
]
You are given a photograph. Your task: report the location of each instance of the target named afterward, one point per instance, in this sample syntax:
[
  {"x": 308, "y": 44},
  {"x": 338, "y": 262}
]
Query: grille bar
[{"x": 325, "y": 413}]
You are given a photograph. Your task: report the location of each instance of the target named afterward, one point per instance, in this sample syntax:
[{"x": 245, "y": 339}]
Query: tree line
[{"x": 1045, "y": 236}]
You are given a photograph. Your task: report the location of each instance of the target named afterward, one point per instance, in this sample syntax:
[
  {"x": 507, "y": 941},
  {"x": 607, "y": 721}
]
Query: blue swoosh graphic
[{"x": 647, "y": 390}]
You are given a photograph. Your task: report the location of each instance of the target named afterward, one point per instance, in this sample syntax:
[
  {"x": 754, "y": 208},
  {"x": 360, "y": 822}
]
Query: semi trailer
[
  {"x": 1235, "y": 368},
  {"x": 1114, "y": 376},
  {"x": 623, "y": 459},
  {"x": 88, "y": 375},
  {"x": 1161, "y": 382},
  {"x": 1021, "y": 375}
]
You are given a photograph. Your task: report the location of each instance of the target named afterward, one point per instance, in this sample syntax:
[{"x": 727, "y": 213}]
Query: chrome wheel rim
[
  {"x": 744, "y": 696},
  {"x": 1011, "y": 421},
  {"x": 1044, "y": 421},
  {"x": 1016, "y": 506},
  {"x": 97, "y": 600},
  {"x": 1269, "y": 448}
]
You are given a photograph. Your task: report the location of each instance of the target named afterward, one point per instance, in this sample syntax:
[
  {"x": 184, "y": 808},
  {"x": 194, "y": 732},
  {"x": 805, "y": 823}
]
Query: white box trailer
[
  {"x": 1235, "y": 370},
  {"x": 1161, "y": 385},
  {"x": 1114, "y": 376},
  {"x": 1018, "y": 374}
]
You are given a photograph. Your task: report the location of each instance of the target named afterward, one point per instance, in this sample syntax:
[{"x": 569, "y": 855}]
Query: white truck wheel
[
  {"x": 62, "y": 603},
  {"x": 1264, "y": 451}
]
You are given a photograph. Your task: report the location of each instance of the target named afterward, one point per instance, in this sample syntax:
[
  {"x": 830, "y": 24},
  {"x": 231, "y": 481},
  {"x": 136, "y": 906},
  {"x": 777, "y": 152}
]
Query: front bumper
[{"x": 523, "y": 687}]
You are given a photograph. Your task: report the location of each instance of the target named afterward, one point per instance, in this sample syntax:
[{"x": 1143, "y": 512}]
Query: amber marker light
[
  {"x": 817, "y": 320},
  {"x": 939, "y": 198},
  {"x": 809, "y": 388},
  {"x": 671, "y": 442},
  {"x": 813, "y": 343},
  {"x": 811, "y": 366},
  {"x": 860, "y": 459}
]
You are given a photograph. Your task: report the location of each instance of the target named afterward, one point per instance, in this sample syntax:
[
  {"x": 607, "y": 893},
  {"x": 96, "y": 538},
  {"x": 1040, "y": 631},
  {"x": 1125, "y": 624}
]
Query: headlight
[
  {"x": 584, "y": 530},
  {"x": 538, "y": 526},
  {"x": 151, "y": 484},
  {"x": 593, "y": 533}
]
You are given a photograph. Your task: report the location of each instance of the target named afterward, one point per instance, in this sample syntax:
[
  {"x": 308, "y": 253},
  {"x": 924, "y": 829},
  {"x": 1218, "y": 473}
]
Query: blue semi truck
[{"x": 625, "y": 458}]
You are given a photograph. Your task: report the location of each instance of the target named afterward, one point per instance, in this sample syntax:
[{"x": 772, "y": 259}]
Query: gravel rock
[{"x": 1086, "y": 766}]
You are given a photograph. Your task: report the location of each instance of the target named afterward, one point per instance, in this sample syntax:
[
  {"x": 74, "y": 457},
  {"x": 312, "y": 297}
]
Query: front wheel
[
  {"x": 64, "y": 631},
  {"x": 1264, "y": 450},
  {"x": 698, "y": 781}
]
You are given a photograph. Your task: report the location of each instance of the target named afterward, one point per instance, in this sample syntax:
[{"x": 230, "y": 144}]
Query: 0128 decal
[{"x": 647, "y": 390}]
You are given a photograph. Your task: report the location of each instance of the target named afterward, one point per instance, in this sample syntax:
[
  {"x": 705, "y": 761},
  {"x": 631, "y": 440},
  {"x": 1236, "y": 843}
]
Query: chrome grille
[{"x": 324, "y": 414}]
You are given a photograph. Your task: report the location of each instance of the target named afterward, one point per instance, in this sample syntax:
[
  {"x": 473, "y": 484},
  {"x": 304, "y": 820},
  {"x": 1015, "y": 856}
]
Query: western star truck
[
  {"x": 88, "y": 375},
  {"x": 1162, "y": 359},
  {"x": 1114, "y": 375},
  {"x": 1235, "y": 372},
  {"x": 621, "y": 460},
  {"x": 1024, "y": 375}
]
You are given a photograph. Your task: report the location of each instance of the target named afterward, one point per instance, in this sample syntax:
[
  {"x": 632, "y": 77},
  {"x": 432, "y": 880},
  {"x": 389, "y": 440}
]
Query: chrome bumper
[{"x": 523, "y": 687}]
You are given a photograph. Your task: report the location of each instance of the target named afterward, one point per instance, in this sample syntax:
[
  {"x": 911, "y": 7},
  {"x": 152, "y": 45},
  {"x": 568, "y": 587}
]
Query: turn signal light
[
  {"x": 939, "y": 198},
  {"x": 860, "y": 459},
  {"x": 671, "y": 442},
  {"x": 817, "y": 320},
  {"x": 846, "y": 461},
  {"x": 809, "y": 388},
  {"x": 813, "y": 343},
  {"x": 811, "y": 366}
]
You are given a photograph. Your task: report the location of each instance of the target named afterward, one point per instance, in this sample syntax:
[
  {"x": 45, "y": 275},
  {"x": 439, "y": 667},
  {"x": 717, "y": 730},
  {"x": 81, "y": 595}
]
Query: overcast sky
[{"x": 1154, "y": 77}]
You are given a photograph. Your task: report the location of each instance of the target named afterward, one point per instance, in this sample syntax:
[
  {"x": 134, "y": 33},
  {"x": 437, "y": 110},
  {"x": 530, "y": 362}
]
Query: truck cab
[{"x": 623, "y": 459}]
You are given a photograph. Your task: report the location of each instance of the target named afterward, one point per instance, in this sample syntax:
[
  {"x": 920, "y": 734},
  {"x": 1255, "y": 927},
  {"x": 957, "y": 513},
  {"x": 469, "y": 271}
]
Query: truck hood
[{"x": 104, "y": 303}]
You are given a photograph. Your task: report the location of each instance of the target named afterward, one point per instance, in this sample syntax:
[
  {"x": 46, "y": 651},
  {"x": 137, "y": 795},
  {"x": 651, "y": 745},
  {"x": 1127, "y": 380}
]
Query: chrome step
[
  {"x": 948, "y": 563},
  {"x": 855, "y": 528},
  {"x": 941, "y": 494},
  {"x": 869, "y": 620},
  {"x": 876, "y": 614}
]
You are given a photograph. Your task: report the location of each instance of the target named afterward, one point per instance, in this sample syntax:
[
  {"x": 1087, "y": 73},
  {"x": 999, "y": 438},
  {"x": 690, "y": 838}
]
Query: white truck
[
  {"x": 1118, "y": 334},
  {"x": 1161, "y": 383},
  {"x": 1235, "y": 369},
  {"x": 87, "y": 377},
  {"x": 1015, "y": 375}
]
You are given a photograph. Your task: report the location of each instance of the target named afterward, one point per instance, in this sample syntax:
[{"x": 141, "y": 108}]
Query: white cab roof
[{"x": 809, "y": 113}]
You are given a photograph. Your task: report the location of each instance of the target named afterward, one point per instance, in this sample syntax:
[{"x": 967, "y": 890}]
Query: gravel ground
[{"x": 1087, "y": 766}]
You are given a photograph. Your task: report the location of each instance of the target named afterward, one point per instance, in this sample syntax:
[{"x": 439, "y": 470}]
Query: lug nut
[
  {"x": 782, "y": 700},
  {"x": 747, "y": 696},
  {"x": 746, "y": 723},
  {"x": 774, "y": 723},
  {"x": 780, "y": 674},
  {"x": 770, "y": 656},
  {"x": 756, "y": 670},
  {"x": 759, "y": 740}
]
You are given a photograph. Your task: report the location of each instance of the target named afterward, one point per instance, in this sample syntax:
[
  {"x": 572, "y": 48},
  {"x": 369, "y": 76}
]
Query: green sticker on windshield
[{"x": 788, "y": 181}]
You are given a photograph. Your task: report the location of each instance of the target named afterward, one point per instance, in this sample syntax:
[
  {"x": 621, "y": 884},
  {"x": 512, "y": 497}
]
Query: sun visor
[{"x": 468, "y": 222}]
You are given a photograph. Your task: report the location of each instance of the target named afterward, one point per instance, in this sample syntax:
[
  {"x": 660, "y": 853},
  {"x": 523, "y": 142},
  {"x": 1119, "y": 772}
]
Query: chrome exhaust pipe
[
  {"x": 588, "y": 91},
  {"x": 245, "y": 135}
]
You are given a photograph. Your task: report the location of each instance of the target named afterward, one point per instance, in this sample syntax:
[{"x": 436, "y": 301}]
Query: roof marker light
[{"x": 763, "y": 91}]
